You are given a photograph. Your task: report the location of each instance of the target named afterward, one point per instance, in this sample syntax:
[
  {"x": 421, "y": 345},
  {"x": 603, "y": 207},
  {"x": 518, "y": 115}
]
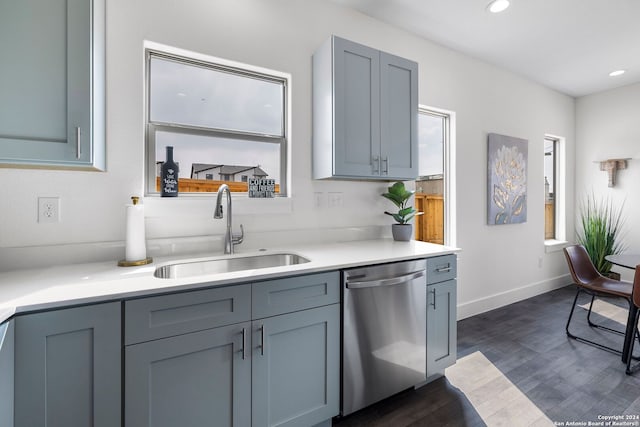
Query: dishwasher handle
[{"x": 385, "y": 282}]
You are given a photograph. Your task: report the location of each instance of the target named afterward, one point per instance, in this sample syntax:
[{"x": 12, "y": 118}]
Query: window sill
[{"x": 553, "y": 245}]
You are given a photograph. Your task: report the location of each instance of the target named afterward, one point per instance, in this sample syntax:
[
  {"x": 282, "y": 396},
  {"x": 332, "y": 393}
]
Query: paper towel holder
[{"x": 148, "y": 260}]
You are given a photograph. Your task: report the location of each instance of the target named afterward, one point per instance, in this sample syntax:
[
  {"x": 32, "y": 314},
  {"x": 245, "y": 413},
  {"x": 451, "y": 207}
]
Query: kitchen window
[
  {"x": 549, "y": 188},
  {"x": 433, "y": 139},
  {"x": 554, "y": 199},
  {"x": 221, "y": 121}
]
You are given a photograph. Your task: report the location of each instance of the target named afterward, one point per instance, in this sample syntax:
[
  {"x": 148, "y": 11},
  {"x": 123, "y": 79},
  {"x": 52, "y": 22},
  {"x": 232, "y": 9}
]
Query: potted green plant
[
  {"x": 399, "y": 195},
  {"x": 600, "y": 230}
]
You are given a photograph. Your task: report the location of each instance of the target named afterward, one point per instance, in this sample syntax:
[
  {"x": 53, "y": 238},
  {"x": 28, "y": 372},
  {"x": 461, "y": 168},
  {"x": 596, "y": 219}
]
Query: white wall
[
  {"x": 499, "y": 264},
  {"x": 607, "y": 128}
]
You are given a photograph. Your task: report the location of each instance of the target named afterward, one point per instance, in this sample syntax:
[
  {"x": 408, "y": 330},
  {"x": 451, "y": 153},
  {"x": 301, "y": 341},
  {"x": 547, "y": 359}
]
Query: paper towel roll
[{"x": 135, "y": 249}]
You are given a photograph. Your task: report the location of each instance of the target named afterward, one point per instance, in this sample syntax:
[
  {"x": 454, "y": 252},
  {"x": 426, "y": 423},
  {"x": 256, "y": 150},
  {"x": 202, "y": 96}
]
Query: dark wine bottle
[{"x": 169, "y": 176}]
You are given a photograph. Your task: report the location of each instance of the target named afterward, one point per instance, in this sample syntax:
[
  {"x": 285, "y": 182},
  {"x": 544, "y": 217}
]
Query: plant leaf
[{"x": 397, "y": 200}]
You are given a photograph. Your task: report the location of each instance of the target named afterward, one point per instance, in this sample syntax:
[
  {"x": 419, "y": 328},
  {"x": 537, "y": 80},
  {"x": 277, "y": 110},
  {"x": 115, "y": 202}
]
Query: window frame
[
  {"x": 553, "y": 190},
  {"x": 446, "y": 122},
  {"x": 449, "y": 170},
  {"x": 560, "y": 195},
  {"x": 153, "y": 127}
]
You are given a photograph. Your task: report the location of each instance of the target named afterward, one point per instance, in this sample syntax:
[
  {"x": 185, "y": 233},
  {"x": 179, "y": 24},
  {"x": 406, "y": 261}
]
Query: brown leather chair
[
  {"x": 591, "y": 282},
  {"x": 636, "y": 303}
]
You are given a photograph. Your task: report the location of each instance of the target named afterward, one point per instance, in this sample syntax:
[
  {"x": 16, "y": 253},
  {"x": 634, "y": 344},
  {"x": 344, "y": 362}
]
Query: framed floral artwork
[{"x": 507, "y": 180}]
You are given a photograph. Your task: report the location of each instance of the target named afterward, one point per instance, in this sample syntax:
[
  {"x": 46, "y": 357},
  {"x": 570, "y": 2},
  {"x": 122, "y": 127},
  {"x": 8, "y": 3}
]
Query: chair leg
[
  {"x": 595, "y": 325},
  {"x": 631, "y": 369},
  {"x": 573, "y": 307},
  {"x": 584, "y": 340}
]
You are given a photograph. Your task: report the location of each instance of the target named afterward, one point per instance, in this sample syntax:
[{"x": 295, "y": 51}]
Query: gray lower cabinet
[
  {"x": 192, "y": 380},
  {"x": 296, "y": 370},
  {"x": 68, "y": 367},
  {"x": 6, "y": 373},
  {"x": 441, "y": 326},
  {"x": 276, "y": 365}
]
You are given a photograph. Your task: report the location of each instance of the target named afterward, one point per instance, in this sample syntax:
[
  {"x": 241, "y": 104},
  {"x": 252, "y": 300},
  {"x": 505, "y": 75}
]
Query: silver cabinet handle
[
  {"x": 386, "y": 165},
  {"x": 376, "y": 164},
  {"x": 444, "y": 269},
  {"x": 244, "y": 344},
  {"x": 261, "y": 340},
  {"x": 433, "y": 291},
  {"x": 385, "y": 282},
  {"x": 78, "y": 142}
]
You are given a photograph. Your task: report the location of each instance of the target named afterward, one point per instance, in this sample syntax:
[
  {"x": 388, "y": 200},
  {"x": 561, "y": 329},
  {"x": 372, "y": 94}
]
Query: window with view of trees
[{"x": 226, "y": 124}]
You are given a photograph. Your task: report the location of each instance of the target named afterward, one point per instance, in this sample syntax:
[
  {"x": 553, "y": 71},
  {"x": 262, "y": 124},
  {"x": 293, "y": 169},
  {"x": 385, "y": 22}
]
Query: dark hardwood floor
[{"x": 516, "y": 367}]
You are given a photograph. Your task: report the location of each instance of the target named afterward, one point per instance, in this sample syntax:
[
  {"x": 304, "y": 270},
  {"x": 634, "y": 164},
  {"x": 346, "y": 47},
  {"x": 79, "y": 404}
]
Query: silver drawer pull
[
  {"x": 433, "y": 291},
  {"x": 444, "y": 269}
]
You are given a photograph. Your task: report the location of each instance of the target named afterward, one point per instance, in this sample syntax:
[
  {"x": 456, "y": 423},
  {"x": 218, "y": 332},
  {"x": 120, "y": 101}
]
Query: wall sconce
[{"x": 611, "y": 166}]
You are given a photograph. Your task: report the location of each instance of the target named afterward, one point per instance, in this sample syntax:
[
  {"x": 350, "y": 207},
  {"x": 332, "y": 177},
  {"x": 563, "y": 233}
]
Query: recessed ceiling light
[
  {"x": 616, "y": 73},
  {"x": 498, "y": 6}
]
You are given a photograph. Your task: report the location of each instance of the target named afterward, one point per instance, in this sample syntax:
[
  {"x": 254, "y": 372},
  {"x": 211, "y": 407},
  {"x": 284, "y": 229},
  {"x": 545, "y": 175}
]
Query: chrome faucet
[{"x": 230, "y": 238}]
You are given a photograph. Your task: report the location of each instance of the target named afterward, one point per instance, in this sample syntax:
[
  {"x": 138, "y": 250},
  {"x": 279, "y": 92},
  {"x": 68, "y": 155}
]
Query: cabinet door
[
  {"x": 67, "y": 367},
  {"x": 398, "y": 117},
  {"x": 53, "y": 85},
  {"x": 296, "y": 368},
  {"x": 356, "y": 93},
  {"x": 6, "y": 373},
  {"x": 441, "y": 326},
  {"x": 192, "y": 380}
]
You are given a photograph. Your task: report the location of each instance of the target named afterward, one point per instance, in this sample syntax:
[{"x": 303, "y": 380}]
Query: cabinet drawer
[
  {"x": 280, "y": 296},
  {"x": 169, "y": 315},
  {"x": 441, "y": 268}
]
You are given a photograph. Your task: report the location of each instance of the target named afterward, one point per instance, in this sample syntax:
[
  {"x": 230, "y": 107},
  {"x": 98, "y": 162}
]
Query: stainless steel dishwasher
[{"x": 384, "y": 332}]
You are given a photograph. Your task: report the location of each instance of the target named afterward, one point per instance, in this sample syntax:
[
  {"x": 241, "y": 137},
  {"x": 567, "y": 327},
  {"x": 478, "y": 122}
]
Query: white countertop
[{"x": 29, "y": 290}]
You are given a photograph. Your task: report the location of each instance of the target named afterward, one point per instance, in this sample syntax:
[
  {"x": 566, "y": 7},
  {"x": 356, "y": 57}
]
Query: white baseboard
[{"x": 501, "y": 299}]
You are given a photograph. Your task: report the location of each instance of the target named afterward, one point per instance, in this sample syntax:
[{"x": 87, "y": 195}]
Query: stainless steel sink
[{"x": 226, "y": 265}]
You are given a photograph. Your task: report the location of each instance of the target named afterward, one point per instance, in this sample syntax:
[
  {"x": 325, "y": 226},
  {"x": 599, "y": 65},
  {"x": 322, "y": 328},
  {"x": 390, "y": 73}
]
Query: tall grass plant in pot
[
  {"x": 600, "y": 231},
  {"x": 399, "y": 195}
]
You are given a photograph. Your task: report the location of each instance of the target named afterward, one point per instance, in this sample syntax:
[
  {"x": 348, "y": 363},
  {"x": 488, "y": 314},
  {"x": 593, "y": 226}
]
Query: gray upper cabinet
[
  {"x": 52, "y": 81},
  {"x": 67, "y": 367},
  {"x": 365, "y": 113}
]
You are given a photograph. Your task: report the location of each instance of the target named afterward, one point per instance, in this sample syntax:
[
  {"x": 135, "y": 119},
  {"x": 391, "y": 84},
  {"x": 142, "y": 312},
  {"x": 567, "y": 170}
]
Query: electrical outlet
[
  {"x": 335, "y": 200},
  {"x": 48, "y": 209},
  {"x": 320, "y": 200}
]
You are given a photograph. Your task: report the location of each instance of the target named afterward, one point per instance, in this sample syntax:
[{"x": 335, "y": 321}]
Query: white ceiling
[{"x": 567, "y": 45}]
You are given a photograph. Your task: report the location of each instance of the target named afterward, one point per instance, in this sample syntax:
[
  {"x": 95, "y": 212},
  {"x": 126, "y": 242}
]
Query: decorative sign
[{"x": 262, "y": 187}]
